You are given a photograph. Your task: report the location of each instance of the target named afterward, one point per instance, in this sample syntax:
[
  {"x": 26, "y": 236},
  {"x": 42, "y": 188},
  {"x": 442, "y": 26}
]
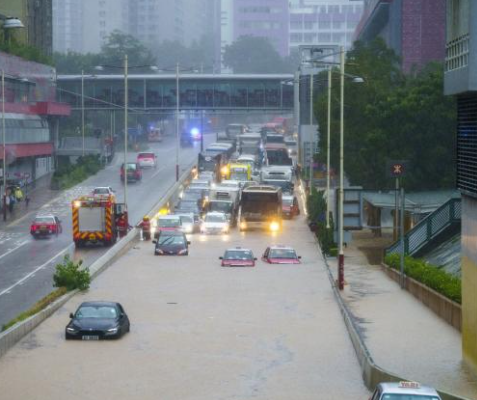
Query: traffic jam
[{"x": 245, "y": 181}]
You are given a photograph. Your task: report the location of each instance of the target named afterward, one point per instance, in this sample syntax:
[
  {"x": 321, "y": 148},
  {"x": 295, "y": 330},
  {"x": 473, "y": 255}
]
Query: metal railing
[{"x": 429, "y": 228}]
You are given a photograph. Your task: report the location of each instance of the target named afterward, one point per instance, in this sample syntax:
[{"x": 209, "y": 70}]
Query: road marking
[
  {"x": 31, "y": 274},
  {"x": 12, "y": 250},
  {"x": 157, "y": 172}
]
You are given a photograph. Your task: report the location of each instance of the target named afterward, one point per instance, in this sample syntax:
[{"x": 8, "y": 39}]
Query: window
[
  {"x": 325, "y": 25},
  {"x": 296, "y": 25},
  {"x": 309, "y": 37},
  {"x": 337, "y": 25},
  {"x": 296, "y": 37},
  {"x": 309, "y": 25}
]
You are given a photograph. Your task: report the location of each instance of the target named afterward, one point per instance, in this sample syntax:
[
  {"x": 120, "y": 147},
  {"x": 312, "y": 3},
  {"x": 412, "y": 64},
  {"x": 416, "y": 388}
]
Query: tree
[
  {"x": 250, "y": 54},
  {"x": 391, "y": 116},
  {"x": 118, "y": 44}
]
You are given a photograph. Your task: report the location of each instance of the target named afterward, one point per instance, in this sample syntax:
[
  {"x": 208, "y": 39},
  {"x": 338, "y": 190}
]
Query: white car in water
[{"x": 215, "y": 223}]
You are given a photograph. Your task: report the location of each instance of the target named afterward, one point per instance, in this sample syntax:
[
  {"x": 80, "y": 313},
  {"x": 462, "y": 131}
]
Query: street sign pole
[
  {"x": 401, "y": 231},
  {"x": 396, "y": 210}
]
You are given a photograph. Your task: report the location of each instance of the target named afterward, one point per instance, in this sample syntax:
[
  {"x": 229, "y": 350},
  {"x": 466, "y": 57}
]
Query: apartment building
[{"x": 460, "y": 80}]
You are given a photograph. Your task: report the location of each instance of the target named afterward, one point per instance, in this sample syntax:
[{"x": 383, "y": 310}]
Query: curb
[
  {"x": 372, "y": 374},
  {"x": 15, "y": 333}
]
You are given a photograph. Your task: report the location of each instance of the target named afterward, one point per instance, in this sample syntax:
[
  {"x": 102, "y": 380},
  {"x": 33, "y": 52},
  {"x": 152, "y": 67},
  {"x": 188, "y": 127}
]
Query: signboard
[{"x": 397, "y": 168}]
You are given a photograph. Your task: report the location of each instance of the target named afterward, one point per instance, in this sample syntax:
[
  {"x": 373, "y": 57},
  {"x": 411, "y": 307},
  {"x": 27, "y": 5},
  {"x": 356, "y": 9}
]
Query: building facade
[
  {"x": 414, "y": 29},
  {"x": 323, "y": 22},
  {"x": 460, "y": 80},
  {"x": 31, "y": 118},
  {"x": 37, "y": 17},
  {"x": 67, "y": 23}
]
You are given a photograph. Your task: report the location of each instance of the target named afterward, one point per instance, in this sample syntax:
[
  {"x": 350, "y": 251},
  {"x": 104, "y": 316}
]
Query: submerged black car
[
  {"x": 97, "y": 320},
  {"x": 171, "y": 243}
]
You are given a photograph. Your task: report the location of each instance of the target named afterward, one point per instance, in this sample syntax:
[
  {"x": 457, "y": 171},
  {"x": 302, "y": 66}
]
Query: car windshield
[
  {"x": 396, "y": 396},
  {"x": 282, "y": 253},
  {"x": 44, "y": 220},
  {"x": 188, "y": 204},
  {"x": 215, "y": 218},
  {"x": 166, "y": 240},
  {"x": 96, "y": 312},
  {"x": 187, "y": 220},
  {"x": 131, "y": 167},
  {"x": 220, "y": 207},
  {"x": 145, "y": 155},
  {"x": 168, "y": 223},
  {"x": 239, "y": 175},
  {"x": 101, "y": 191},
  {"x": 287, "y": 202},
  {"x": 238, "y": 255}
]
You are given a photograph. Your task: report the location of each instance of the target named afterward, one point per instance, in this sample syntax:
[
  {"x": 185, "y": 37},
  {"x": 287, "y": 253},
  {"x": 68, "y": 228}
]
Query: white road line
[
  {"x": 12, "y": 250},
  {"x": 21, "y": 281},
  {"x": 157, "y": 172}
]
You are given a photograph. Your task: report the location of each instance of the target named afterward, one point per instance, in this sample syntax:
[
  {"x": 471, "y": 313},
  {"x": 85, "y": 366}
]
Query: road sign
[{"x": 397, "y": 168}]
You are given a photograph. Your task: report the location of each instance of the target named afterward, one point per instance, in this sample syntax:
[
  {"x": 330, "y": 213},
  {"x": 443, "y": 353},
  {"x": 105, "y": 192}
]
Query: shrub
[
  {"x": 68, "y": 175},
  {"x": 430, "y": 275},
  {"x": 70, "y": 275},
  {"x": 316, "y": 205}
]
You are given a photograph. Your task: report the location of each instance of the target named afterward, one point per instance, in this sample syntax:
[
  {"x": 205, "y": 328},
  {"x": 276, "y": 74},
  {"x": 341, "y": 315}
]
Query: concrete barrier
[
  {"x": 12, "y": 335},
  {"x": 372, "y": 374},
  {"x": 448, "y": 310}
]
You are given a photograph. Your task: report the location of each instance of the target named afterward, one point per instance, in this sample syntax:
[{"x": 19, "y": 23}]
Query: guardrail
[{"x": 429, "y": 228}]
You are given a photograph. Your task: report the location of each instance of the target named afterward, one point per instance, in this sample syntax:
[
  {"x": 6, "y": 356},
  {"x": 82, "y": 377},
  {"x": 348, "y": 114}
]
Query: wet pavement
[
  {"x": 403, "y": 335},
  {"x": 27, "y": 265},
  {"x": 200, "y": 331}
]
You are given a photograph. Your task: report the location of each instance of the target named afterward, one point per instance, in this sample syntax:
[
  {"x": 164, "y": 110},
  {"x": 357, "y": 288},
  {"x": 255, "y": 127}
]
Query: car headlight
[
  {"x": 113, "y": 330},
  {"x": 243, "y": 225},
  {"x": 71, "y": 330},
  {"x": 274, "y": 226},
  {"x": 225, "y": 229},
  {"x": 183, "y": 251},
  {"x": 159, "y": 251}
]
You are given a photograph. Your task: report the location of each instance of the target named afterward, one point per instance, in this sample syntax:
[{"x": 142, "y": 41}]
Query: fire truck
[{"x": 95, "y": 219}]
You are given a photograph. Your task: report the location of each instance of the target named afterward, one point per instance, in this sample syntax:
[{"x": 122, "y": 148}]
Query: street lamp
[{"x": 126, "y": 100}]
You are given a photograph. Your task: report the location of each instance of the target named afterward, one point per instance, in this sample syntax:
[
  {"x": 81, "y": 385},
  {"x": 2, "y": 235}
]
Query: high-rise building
[
  {"x": 414, "y": 29},
  {"x": 67, "y": 26},
  {"x": 460, "y": 80},
  {"x": 261, "y": 18},
  {"x": 36, "y": 16},
  {"x": 323, "y": 22}
]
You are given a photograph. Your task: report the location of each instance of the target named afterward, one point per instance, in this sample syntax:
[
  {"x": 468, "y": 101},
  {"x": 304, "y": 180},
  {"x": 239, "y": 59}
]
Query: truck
[
  {"x": 94, "y": 219},
  {"x": 250, "y": 143},
  {"x": 277, "y": 154},
  {"x": 261, "y": 207},
  {"x": 211, "y": 162},
  {"x": 226, "y": 200}
]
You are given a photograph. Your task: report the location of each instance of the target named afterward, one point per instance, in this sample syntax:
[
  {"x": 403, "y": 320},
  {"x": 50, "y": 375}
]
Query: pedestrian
[
  {"x": 18, "y": 194},
  {"x": 7, "y": 202},
  {"x": 27, "y": 200},
  {"x": 11, "y": 203}
]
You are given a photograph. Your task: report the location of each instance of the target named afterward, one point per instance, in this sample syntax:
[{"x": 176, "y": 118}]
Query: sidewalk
[
  {"x": 402, "y": 335},
  {"x": 39, "y": 193}
]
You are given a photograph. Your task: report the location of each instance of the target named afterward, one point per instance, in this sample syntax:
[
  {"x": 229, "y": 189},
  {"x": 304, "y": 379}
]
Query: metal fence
[{"x": 429, "y": 228}]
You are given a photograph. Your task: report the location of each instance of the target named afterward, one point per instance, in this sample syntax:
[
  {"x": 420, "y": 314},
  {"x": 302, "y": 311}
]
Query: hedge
[
  {"x": 316, "y": 205},
  {"x": 430, "y": 275},
  {"x": 69, "y": 175}
]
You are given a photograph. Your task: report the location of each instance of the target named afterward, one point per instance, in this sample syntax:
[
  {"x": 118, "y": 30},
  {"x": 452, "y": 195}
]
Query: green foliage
[
  {"x": 25, "y": 51},
  {"x": 71, "y": 276},
  {"x": 430, "y": 275},
  {"x": 68, "y": 175},
  {"x": 37, "y": 307},
  {"x": 250, "y": 54},
  {"x": 316, "y": 205},
  {"x": 392, "y": 116}
]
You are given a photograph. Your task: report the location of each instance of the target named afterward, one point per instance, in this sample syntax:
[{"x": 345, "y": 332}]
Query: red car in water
[
  {"x": 281, "y": 255},
  {"x": 45, "y": 226},
  {"x": 238, "y": 257}
]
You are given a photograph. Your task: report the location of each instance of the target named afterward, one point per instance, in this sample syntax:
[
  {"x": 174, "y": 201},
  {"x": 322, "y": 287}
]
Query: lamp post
[
  {"x": 125, "y": 130},
  {"x": 4, "y": 150},
  {"x": 82, "y": 107},
  {"x": 341, "y": 191},
  {"x": 311, "y": 132},
  {"x": 328, "y": 147},
  {"x": 178, "y": 97}
]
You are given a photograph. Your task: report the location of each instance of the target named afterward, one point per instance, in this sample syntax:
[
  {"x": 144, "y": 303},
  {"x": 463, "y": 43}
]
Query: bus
[{"x": 261, "y": 207}]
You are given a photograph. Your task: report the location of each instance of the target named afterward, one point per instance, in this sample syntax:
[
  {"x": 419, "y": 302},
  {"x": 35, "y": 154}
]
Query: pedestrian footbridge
[{"x": 156, "y": 92}]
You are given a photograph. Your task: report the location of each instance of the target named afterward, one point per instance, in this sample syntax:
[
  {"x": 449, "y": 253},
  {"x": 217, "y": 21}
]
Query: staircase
[{"x": 446, "y": 219}]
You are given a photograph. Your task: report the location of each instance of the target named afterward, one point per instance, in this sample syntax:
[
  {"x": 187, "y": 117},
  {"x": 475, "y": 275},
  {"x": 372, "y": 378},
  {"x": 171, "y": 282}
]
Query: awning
[
  {"x": 52, "y": 108},
  {"x": 15, "y": 151}
]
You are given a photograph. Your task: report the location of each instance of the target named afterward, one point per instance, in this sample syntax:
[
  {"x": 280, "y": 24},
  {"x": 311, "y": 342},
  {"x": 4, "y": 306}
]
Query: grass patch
[
  {"x": 37, "y": 307},
  {"x": 429, "y": 275}
]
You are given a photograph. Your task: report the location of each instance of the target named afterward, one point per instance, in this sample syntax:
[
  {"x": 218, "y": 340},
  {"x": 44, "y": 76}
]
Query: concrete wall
[{"x": 469, "y": 280}]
